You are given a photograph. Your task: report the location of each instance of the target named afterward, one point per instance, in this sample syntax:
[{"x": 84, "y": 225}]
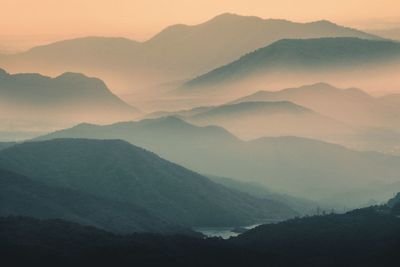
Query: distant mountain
[
  {"x": 307, "y": 61},
  {"x": 251, "y": 120},
  {"x": 356, "y": 107},
  {"x": 303, "y": 167},
  {"x": 390, "y": 33},
  {"x": 301, "y": 205},
  {"x": 177, "y": 53},
  {"x": 122, "y": 172},
  {"x": 21, "y": 196},
  {"x": 392, "y": 99},
  {"x": 36, "y": 101}
]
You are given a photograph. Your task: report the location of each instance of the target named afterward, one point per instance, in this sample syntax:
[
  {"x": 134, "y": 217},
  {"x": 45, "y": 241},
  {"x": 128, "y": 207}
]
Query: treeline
[{"x": 365, "y": 237}]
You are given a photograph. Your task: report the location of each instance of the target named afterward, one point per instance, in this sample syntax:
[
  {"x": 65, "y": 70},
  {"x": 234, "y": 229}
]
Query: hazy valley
[{"x": 238, "y": 141}]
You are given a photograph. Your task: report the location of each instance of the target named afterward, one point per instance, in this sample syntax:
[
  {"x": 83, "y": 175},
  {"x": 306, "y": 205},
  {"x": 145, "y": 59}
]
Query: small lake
[{"x": 226, "y": 232}]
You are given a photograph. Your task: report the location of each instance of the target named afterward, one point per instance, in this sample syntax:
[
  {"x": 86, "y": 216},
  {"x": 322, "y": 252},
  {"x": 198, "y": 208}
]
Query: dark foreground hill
[
  {"x": 20, "y": 195},
  {"x": 298, "y": 166},
  {"x": 368, "y": 237},
  {"x": 119, "y": 171}
]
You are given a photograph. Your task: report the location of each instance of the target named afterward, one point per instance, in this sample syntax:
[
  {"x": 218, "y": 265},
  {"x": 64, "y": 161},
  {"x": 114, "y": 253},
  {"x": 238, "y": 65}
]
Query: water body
[{"x": 227, "y": 232}]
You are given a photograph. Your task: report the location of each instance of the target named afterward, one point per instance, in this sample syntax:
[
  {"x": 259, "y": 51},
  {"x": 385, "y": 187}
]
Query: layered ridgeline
[
  {"x": 356, "y": 106},
  {"x": 177, "y": 52},
  {"x": 254, "y": 119},
  {"x": 23, "y": 196},
  {"x": 365, "y": 237},
  {"x": 360, "y": 121},
  {"x": 35, "y": 102},
  {"x": 343, "y": 61},
  {"x": 129, "y": 175},
  {"x": 303, "y": 167}
]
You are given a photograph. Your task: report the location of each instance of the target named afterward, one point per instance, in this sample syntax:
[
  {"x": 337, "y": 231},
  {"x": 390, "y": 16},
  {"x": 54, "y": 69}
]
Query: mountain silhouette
[
  {"x": 301, "y": 60},
  {"x": 299, "y": 166},
  {"x": 30, "y": 98},
  {"x": 119, "y": 171},
  {"x": 177, "y": 53}
]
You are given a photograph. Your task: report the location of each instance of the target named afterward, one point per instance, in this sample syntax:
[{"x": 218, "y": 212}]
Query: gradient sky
[{"x": 38, "y": 21}]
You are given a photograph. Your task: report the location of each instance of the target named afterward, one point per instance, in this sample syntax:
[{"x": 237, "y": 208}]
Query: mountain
[
  {"x": 394, "y": 201},
  {"x": 32, "y": 100},
  {"x": 23, "y": 196},
  {"x": 251, "y": 120},
  {"x": 177, "y": 53},
  {"x": 338, "y": 60},
  {"x": 374, "y": 120},
  {"x": 390, "y": 33},
  {"x": 356, "y": 106},
  {"x": 4, "y": 145},
  {"x": 367, "y": 237},
  {"x": 297, "y": 166},
  {"x": 314, "y": 239},
  {"x": 301, "y": 205},
  {"x": 122, "y": 172}
]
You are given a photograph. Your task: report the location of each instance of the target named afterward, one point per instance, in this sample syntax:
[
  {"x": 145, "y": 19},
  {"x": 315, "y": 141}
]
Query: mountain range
[
  {"x": 177, "y": 53},
  {"x": 21, "y": 195},
  {"x": 30, "y": 101},
  {"x": 335, "y": 60},
  {"x": 298, "y": 166},
  {"x": 356, "y": 106},
  {"x": 254, "y": 119},
  {"x": 129, "y": 177}
]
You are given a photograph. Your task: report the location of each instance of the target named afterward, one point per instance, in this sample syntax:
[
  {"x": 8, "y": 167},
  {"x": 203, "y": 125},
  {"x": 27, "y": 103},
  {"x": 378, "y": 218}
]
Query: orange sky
[{"x": 25, "y": 22}]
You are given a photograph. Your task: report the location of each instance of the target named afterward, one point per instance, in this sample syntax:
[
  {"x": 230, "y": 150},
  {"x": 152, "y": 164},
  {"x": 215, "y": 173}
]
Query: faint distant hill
[
  {"x": 350, "y": 105},
  {"x": 390, "y": 33},
  {"x": 178, "y": 52},
  {"x": 119, "y": 171},
  {"x": 38, "y": 101},
  {"x": 299, "y": 166},
  {"x": 256, "y": 119},
  {"x": 344, "y": 60}
]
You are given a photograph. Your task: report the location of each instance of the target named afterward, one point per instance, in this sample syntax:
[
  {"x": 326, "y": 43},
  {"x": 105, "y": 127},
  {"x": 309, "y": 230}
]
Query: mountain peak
[{"x": 3, "y": 73}]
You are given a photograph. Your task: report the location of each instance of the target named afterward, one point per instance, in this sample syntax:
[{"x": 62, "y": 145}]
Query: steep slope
[
  {"x": 21, "y": 196},
  {"x": 178, "y": 52},
  {"x": 119, "y": 171},
  {"x": 306, "y": 61},
  {"x": 67, "y": 99},
  {"x": 304, "y": 167}
]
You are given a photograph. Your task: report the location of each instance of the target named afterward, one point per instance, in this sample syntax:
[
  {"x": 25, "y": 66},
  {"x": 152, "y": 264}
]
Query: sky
[{"x": 24, "y": 23}]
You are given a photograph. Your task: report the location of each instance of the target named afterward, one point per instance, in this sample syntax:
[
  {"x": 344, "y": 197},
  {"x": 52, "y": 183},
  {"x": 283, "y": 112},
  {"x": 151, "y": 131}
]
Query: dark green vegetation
[
  {"x": 366, "y": 237},
  {"x": 4, "y": 145},
  {"x": 135, "y": 180},
  {"x": 303, "y": 167},
  {"x": 20, "y": 195}
]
